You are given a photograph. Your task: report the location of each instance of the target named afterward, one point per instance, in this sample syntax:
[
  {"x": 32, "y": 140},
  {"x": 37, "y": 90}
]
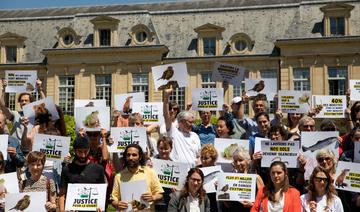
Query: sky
[{"x": 17, "y": 4}]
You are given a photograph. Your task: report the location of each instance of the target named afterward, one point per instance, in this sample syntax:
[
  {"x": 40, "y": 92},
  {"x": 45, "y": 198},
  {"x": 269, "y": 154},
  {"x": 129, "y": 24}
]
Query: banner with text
[
  {"x": 56, "y": 148},
  {"x": 294, "y": 101},
  {"x": 236, "y": 187},
  {"x": 207, "y": 98},
  {"x": 285, "y": 151},
  {"x": 152, "y": 112},
  {"x": 123, "y": 136},
  {"x": 228, "y": 72},
  {"x": 171, "y": 174},
  {"x": 354, "y": 86},
  {"x": 332, "y": 106},
  {"x": 85, "y": 197},
  {"x": 347, "y": 176},
  {"x": 20, "y": 81}
]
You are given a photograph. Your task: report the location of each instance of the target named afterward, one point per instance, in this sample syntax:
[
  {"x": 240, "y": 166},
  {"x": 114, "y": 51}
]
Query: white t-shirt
[
  {"x": 186, "y": 147},
  {"x": 336, "y": 205}
]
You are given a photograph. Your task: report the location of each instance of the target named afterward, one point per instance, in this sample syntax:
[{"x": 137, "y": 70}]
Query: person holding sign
[
  {"x": 321, "y": 194},
  {"x": 36, "y": 182},
  {"x": 278, "y": 194},
  {"x": 192, "y": 197}
]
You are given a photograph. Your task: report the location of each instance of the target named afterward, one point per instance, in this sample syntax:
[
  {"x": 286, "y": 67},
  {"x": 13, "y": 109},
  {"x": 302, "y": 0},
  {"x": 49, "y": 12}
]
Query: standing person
[
  {"x": 321, "y": 194},
  {"x": 192, "y": 197},
  {"x": 186, "y": 144},
  {"x": 277, "y": 195},
  {"x": 174, "y": 110},
  {"x": 134, "y": 170},
  {"x": 224, "y": 128},
  {"x": 206, "y": 131},
  {"x": 80, "y": 170}
]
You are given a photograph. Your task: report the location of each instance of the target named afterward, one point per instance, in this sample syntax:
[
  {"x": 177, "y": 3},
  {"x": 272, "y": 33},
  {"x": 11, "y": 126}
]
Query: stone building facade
[{"x": 100, "y": 51}]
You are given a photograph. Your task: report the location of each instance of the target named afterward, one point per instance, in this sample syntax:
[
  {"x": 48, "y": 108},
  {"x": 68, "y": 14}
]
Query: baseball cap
[{"x": 236, "y": 100}]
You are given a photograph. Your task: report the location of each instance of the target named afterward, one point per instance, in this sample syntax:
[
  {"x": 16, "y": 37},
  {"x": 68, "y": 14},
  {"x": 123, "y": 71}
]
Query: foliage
[
  {"x": 212, "y": 120},
  {"x": 70, "y": 130}
]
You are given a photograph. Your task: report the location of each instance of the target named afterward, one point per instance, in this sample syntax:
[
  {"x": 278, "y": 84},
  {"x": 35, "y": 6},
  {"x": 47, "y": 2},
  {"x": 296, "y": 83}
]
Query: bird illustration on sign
[
  {"x": 258, "y": 86},
  {"x": 167, "y": 75},
  {"x": 22, "y": 204}
]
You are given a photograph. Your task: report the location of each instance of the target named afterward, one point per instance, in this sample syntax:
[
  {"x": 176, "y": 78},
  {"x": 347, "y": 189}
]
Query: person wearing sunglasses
[
  {"x": 321, "y": 194},
  {"x": 327, "y": 160}
]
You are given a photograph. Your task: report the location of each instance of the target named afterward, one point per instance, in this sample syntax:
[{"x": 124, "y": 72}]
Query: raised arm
[
  {"x": 40, "y": 89},
  {"x": 3, "y": 108},
  {"x": 167, "y": 118}
]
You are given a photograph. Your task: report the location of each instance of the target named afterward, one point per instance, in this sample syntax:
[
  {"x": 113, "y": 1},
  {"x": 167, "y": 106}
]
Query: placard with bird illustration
[
  {"x": 26, "y": 202},
  {"x": 170, "y": 75},
  {"x": 267, "y": 86}
]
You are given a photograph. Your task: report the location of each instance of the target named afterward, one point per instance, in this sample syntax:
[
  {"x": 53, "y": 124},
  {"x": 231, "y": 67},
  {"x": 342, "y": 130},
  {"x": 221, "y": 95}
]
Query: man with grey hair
[{"x": 186, "y": 144}]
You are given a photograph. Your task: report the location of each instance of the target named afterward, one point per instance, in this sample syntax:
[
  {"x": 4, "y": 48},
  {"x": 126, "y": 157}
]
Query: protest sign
[
  {"x": 228, "y": 72},
  {"x": 42, "y": 107},
  {"x": 357, "y": 152},
  {"x": 258, "y": 141},
  {"x": 120, "y": 99},
  {"x": 92, "y": 118},
  {"x": 210, "y": 177},
  {"x": 28, "y": 201},
  {"x": 294, "y": 101},
  {"x": 312, "y": 142},
  {"x": 267, "y": 87},
  {"x": 236, "y": 187},
  {"x": 123, "y": 136},
  {"x": 354, "y": 86},
  {"x": 8, "y": 184},
  {"x": 347, "y": 176},
  {"x": 332, "y": 106},
  {"x": 56, "y": 148},
  {"x": 131, "y": 193},
  {"x": 4, "y": 140},
  {"x": 227, "y": 147},
  {"x": 174, "y": 75},
  {"x": 20, "y": 81},
  {"x": 152, "y": 112},
  {"x": 207, "y": 98},
  {"x": 285, "y": 151},
  {"x": 90, "y": 103},
  {"x": 85, "y": 197},
  {"x": 171, "y": 174}
]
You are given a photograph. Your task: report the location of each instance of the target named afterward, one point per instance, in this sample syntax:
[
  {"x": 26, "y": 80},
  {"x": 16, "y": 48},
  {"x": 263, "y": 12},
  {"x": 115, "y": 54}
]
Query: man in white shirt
[{"x": 186, "y": 144}]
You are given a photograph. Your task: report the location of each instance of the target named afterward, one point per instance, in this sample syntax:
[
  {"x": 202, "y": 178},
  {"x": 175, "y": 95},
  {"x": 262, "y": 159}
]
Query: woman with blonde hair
[{"x": 327, "y": 160}]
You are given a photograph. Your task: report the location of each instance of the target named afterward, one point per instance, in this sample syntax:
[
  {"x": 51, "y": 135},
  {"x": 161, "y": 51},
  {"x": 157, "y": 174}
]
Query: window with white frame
[
  {"x": 103, "y": 88},
  {"x": 206, "y": 81},
  {"x": 11, "y": 101},
  {"x": 140, "y": 83},
  {"x": 66, "y": 94},
  {"x": 209, "y": 46},
  {"x": 178, "y": 96},
  {"x": 301, "y": 79},
  {"x": 337, "y": 80},
  {"x": 270, "y": 73}
]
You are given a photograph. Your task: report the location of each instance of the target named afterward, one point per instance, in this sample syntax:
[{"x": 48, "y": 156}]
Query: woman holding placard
[
  {"x": 192, "y": 197},
  {"x": 278, "y": 194},
  {"x": 321, "y": 194}
]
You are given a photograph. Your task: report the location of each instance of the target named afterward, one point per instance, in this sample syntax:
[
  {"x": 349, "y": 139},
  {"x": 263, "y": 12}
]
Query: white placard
[
  {"x": 152, "y": 112},
  {"x": 170, "y": 74},
  {"x": 228, "y": 72},
  {"x": 207, "y": 98},
  {"x": 20, "y": 81},
  {"x": 285, "y": 151},
  {"x": 267, "y": 86},
  {"x": 357, "y": 152},
  {"x": 120, "y": 99},
  {"x": 312, "y": 142},
  {"x": 4, "y": 140},
  {"x": 90, "y": 103},
  {"x": 294, "y": 101},
  {"x": 236, "y": 187},
  {"x": 92, "y": 118},
  {"x": 8, "y": 184},
  {"x": 56, "y": 148},
  {"x": 123, "y": 136},
  {"x": 131, "y": 193},
  {"x": 333, "y": 106},
  {"x": 347, "y": 176},
  {"x": 210, "y": 177},
  {"x": 227, "y": 147},
  {"x": 354, "y": 86},
  {"x": 42, "y": 106},
  {"x": 171, "y": 174},
  {"x": 37, "y": 201},
  {"x": 85, "y": 197}
]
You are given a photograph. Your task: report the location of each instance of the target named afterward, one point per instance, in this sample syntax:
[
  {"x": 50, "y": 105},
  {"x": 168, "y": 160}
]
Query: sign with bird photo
[
  {"x": 171, "y": 174},
  {"x": 85, "y": 197},
  {"x": 347, "y": 176},
  {"x": 26, "y": 202},
  {"x": 285, "y": 151},
  {"x": 152, "y": 112},
  {"x": 312, "y": 142},
  {"x": 267, "y": 86},
  {"x": 210, "y": 177},
  {"x": 236, "y": 187},
  {"x": 207, "y": 98},
  {"x": 227, "y": 147},
  {"x": 354, "y": 86},
  {"x": 329, "y": 106},
  {"x": 228, "y": 72},
  {"x": 42, "y": 110},
  {"x": 123, "y": 136},
  {"x": 131, "y": 192},
  {"x": 294, "y": 101},
  {"x": 56, "y": 148},
  {"x": 20, "y": 81},
  {"x": 8, "y": 184},
  {"x": 170, "y": 75},
  {"x": 92, "y": 118},
  {"x": 126, "y": 100}
]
